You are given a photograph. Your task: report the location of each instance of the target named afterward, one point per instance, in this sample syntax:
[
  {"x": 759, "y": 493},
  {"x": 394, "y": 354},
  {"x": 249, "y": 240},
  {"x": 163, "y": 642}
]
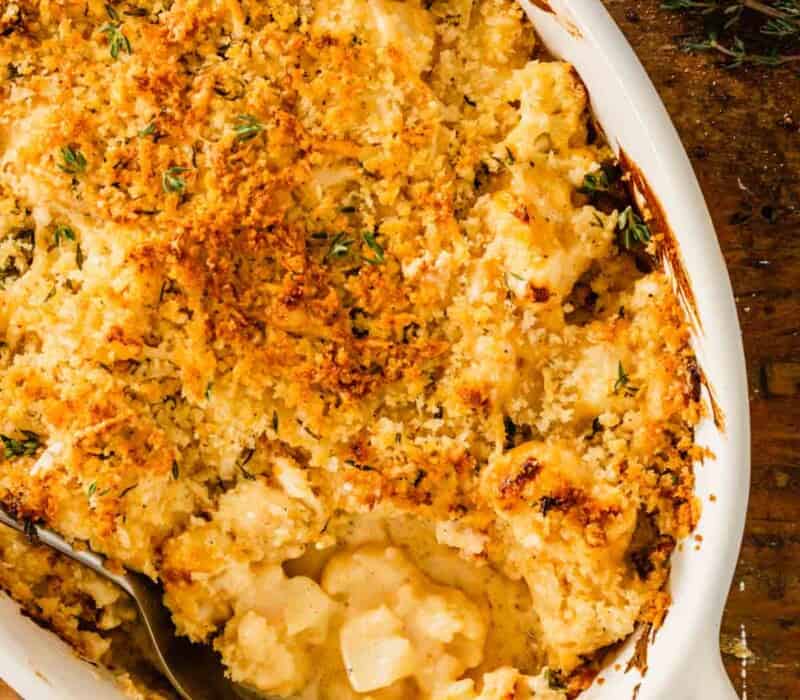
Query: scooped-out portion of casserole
[{"x": 334, "y": 318}]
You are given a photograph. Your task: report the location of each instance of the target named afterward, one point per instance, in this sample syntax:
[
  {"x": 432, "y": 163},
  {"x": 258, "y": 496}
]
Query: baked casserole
[{"x": 334, "y": 318}]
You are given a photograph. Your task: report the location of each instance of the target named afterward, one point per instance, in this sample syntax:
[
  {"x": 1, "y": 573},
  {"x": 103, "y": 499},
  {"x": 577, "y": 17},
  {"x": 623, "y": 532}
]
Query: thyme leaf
[
  {"x": 339, "y": 247},
  {"x": 554, "y": 680},
  {"x": 624, "y": 382},
  {"x": 171, "y": 180},
  {"x": 62, "y": 231},
  {"x": 369, "y": 239},
  {"x": 117, "y": 41},
  {"x": 26, "y": 447},
  {"x": 632, "y": 229},
  {"x": 247, "y": 127},
  {"x": 599, "y": 180},
  {"x": 73, "y": 162}
]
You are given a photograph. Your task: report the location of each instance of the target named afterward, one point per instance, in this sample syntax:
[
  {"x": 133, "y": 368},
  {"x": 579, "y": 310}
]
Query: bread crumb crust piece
[{"x": 306, "y": 312}]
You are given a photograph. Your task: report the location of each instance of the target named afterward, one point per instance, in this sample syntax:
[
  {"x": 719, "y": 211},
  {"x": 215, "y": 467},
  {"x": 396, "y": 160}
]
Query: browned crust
[{"x": 671, "y": 258}]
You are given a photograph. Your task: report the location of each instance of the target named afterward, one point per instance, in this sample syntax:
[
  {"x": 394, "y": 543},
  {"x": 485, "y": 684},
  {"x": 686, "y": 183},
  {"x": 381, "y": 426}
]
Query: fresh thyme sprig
[
  {"x": 744, "y": 32},
  {"x": 247, "y": 127},
  {"x": 117, "y": 41},
  {"x": 632, "y": 229},
  {"x": 738, "y": 54}
]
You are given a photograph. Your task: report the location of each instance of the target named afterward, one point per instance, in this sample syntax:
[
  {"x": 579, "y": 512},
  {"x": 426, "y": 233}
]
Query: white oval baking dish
[{"x": 684, "y": 660}]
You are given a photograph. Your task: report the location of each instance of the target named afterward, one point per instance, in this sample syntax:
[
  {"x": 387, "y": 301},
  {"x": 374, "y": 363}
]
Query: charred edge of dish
[
  {"x": 31, "y": 611},
  {"x": 716, "y": 410},
  {"x": 639, "y": 659},
  {"x": 570, "y": 26},
  {"x": 668, "y": 250},
  {"x": 669, "y": 256},
  {"x": 563, "y": 20},
  {"x": 582, "y": 677},
  {"x": 543, "y": 5},
  {"x": 592, "y": 122}
]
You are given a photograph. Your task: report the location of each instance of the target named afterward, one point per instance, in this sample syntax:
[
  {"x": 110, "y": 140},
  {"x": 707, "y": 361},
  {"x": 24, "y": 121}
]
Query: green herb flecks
[
  {"x": 369, "y": 239},
  {"x": 92, "y": 489},
  {"x": 117, "y": 41},
  {"x": 623, "y": 382},
  {"x": 209, "y": 389},
  {"x": 149, "y": 130},
  {"x": 554, "y": 680},
  {"x": 73, "y": 162},
  {"x": 599, "y": 180},
  {"x": 339, "y": 247},
  {"x": 518, "y": 285},
  {"x": 247, "y": 127},
  {"x": 176, "y": 470},
  {"x": 172, "y": 181},
  {"x": 62, "y": 232},
  {"x": 632, "y": 229},
  {"x": 25, "y": 447}
]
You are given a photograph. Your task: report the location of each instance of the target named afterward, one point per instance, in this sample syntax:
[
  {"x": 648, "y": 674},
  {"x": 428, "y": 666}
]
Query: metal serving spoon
[{"x": 194, "y": 670}]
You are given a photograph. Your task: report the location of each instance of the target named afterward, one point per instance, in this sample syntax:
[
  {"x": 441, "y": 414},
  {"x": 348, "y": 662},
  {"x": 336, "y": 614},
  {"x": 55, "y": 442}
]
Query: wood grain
[{"x": 742, "y": 131}]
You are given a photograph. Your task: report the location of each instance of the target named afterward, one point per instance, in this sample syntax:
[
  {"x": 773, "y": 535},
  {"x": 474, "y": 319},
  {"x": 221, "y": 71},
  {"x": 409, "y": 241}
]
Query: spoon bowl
[{"x": 195, "y": 671}]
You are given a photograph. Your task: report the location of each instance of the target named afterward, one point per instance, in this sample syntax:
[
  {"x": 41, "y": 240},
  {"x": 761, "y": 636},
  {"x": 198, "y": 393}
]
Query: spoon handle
[
  {"x": 194, "y": 670},
  {"x": 37, "y": 533}
]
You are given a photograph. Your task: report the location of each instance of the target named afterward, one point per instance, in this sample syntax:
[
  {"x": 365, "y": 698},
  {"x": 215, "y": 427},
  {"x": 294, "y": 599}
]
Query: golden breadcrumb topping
[{"x": 334, "y": 318}]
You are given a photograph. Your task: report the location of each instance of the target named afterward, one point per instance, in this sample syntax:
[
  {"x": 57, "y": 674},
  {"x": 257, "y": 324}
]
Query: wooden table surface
[{"x": 742, "y": 131}]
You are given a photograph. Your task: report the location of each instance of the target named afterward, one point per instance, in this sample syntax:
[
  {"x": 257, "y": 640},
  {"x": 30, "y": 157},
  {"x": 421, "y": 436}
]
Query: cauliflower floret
[
  {"x": 570, "y": 532},
  {"x": 402, "y": 26},
  {"x": 400, "y": 624}
]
